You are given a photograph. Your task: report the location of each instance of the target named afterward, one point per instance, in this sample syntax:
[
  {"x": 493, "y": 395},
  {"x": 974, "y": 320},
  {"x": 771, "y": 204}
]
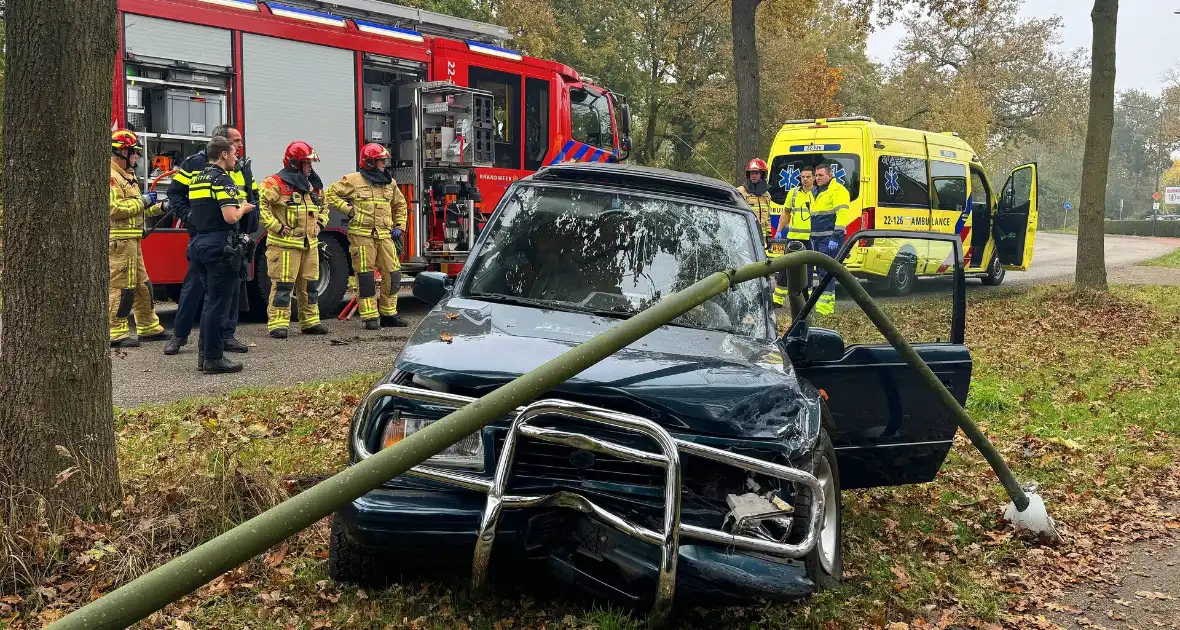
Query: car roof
[{"x": 642, "y": 178}]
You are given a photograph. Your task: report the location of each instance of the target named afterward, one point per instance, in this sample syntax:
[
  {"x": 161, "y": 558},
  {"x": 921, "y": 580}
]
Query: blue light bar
[
  {"x": 305, "y": 15},
  {"x": 389, "y": 31},
  {"x": 495, "y": 51}
]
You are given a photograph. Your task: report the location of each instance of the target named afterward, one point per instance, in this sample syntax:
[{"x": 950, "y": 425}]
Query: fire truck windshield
[{"x": 590, "y": 117}]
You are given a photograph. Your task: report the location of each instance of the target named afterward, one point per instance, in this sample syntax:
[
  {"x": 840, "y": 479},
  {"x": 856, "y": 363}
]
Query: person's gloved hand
[
  {"x": 284, "y": 231},
  {"x": 396, "y": 233},
  {"x": 148, "y": 199}
]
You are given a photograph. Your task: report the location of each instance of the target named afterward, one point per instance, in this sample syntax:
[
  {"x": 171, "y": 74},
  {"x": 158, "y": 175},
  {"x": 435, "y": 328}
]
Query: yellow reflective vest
[
  {"x": 760, "y": 204},
  {"x": 373, "y": 209},
  {"x": 830, "y": 203},
  {"x": 128, "y": 215},
  {"x": 281, "y": 206},
  {"x": 798, "y": 209}
]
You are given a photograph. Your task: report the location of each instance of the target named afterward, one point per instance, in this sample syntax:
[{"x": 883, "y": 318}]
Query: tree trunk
[
  {"x": 57, "y": 432},
  {"x": 1091, "y": 259},
  {"x": 745, "y": 72}
]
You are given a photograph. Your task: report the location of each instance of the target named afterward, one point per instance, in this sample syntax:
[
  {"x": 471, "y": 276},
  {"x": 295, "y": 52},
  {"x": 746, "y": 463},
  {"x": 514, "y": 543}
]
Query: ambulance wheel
[
  {"x": 902, "y": 274},
  {"x": 995, "y": 272},
  {"x": 825, "y": 563},
  {"x": 333, "y": 277}
]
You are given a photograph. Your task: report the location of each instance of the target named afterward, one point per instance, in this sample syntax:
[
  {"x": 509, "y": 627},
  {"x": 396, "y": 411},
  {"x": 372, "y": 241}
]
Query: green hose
[{"x": 188, "y": 572}]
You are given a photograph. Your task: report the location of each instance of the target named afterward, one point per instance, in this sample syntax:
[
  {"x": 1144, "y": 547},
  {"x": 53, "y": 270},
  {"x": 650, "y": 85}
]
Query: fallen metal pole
[{"x": 189, "y": 571}]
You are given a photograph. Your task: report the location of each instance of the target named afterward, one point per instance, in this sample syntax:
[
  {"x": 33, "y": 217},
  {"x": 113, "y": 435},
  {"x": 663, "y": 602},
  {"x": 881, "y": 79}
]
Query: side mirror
[
  {"x": 813, "y": 345},
  {"x": 431, "y": 286}
]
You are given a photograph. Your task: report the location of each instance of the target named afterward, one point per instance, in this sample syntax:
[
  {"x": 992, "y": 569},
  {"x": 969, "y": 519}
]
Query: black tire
[
  {"x": 903, "y": 274},
  {"x": 995, "y": 272},
  {"x": 334, "y": 272},
  {"x": 348, "y": 564},
  {"x": 827, "y": 572}
]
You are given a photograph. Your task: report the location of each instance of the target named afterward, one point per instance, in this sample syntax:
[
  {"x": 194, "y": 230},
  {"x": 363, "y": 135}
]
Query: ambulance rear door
[{"x": 1016, "y": 218}]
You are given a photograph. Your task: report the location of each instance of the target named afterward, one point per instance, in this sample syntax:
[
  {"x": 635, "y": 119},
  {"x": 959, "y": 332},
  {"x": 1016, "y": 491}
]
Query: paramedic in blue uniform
[
  {"x": 192, "y": 290},
  {"x": 216, "y": 207}
]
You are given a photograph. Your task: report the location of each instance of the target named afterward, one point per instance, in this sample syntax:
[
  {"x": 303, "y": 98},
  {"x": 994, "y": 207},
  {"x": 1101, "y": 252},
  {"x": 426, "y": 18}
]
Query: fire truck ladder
[{"x": 425, "y": 22}]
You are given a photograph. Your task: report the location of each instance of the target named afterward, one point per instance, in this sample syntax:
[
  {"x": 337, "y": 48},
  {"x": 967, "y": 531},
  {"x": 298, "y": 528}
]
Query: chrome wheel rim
[
  {"x": 829, "y": 542},
  {"x": 901, "y": 278},
  {"x": 997, "y": 268}
]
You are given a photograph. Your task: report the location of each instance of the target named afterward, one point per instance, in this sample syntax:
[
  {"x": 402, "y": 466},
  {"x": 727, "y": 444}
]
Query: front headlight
[{"x": 466, "y": 453}]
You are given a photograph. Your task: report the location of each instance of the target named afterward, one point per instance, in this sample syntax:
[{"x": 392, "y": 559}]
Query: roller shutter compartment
[{"x": 171, "y": 40}]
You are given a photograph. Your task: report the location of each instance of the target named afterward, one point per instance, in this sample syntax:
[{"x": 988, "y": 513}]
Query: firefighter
[
  {"x": 293, "y": 214},
  {"x": 831, "y": 198},
  {"x": 130, "y": 287},
  {"x": 217, "y": 251},
  {"x": 192, "y": 290},
  {"x": 757, "y": 195},
  {"x": 797, "y": 224},
  {"x": 376, "y": 210}
]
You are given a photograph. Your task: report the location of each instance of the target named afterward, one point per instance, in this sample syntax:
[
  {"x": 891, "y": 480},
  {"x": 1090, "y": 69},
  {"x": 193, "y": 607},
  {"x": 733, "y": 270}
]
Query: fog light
[{"x": 466, "y": 453}]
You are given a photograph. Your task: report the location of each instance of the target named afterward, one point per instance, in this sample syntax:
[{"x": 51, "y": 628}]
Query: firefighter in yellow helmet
[
  {"x": 376, "y": 210},
  {"x": 293, "y": 214},
  {"x": 130, "y": 288},
  {"x": 757, "y": 194}
]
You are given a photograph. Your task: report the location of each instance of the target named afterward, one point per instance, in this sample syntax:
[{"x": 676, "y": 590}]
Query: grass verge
[
  {"x": 1167, "y": 260},
  {"x": 1077, "y": 391}
]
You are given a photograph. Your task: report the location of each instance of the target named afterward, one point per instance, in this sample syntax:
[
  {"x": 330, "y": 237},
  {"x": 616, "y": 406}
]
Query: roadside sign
[
  {"x": 1172, "y": 195},
  {"x": 1068, "y": 206},
  {"x": 1155, "y": 206},
  {"x": 1155, "y": 195}
]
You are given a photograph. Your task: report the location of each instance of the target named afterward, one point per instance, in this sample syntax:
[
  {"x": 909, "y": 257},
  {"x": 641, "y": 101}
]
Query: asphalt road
[{"x": 145, "y": 376}]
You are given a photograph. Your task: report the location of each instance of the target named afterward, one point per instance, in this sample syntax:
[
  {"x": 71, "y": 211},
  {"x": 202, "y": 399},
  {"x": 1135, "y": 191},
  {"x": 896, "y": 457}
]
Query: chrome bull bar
[{"x": 668, "y": 458}]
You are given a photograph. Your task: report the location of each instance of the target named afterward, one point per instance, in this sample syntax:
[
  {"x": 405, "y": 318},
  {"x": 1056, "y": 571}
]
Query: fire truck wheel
[{"x": 333, "y": 277}]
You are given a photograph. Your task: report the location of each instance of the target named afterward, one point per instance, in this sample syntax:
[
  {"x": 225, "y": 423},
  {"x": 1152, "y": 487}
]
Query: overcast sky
[{"x": 1148, "y": 37}]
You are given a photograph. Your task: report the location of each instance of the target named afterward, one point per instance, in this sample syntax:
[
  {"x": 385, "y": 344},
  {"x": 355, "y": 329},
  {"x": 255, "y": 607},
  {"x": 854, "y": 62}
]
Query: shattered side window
[{"x": 616, "y": 254}]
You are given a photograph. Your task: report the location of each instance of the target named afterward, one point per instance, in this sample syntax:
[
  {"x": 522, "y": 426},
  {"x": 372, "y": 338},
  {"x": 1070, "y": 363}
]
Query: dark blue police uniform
[
  {"x": 193, "y": 289},
  {"x": 215, "y": 251}
]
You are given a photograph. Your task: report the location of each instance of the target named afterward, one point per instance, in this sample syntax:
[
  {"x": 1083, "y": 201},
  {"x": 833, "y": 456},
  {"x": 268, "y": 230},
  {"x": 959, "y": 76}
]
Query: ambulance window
[
  {"x": 590, "y": 118},
  {"x": 784, "y": 172},
  {"x": 950, "y": 185},
  {"x": 901, "y": 181},
  {"x": 536, "y": 122},
  {"x": 505, "y": 89},
  {"x": 978, "y": 191}
]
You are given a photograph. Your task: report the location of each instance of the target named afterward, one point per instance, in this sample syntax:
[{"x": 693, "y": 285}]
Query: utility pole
[{"x": 1159, "y": 161}]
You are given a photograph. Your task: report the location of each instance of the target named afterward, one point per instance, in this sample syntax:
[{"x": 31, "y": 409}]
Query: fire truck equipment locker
[{"x": 177, "y": 41}]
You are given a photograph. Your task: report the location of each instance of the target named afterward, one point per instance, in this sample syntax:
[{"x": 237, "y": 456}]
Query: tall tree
[
  {"x": 1091, "y": 259},
  {"x": 745, "y": 74},
  {"x": 57, "y": 432}
]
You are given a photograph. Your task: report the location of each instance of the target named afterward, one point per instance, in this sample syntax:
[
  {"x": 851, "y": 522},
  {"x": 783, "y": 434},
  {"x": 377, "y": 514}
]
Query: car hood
[{"x": 694, "y": 380}]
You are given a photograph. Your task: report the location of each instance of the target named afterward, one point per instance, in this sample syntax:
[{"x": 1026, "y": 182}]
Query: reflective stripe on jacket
[
  {"x": 282, "y": 206},
  {"x": 760, "y": 204},
  {"x": 373, "y": 210},
  {"x": 799, "y": 204},
  {"x": 128, "y": 216},
  {"x": 828, "y": 203}
]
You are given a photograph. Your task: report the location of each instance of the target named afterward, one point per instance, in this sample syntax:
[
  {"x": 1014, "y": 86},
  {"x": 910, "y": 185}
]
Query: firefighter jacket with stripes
[
  {"x": 760, "y": 204},
  {"x": 829, "y": 202},
  {"x": 191, "y": 167},
  {"x": 798, "y": 210},
  {"x": 373, "y": 210},
  {"x": 128, "y": 215},
  {"x": 301, "y": 214}
]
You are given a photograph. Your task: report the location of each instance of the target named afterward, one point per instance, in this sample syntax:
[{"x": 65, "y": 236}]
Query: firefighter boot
[
  {"x": 174, "y": 345},
  {"x": 126, "y": 342},
  {"x": 279, "y": 333},
  {"x": 317, "y": 329},
  {"x": 221, "y": 366},
  {"x": 372, "y": 324},
  {"x": 393, "y": 321}
]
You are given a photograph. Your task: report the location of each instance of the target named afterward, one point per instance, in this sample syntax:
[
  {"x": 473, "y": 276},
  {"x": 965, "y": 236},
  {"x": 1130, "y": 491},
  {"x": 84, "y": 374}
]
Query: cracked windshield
[{"x": 614, "y": 254}]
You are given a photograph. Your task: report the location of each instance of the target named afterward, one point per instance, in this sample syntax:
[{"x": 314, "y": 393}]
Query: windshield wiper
[{"x": 547, "y": 304}]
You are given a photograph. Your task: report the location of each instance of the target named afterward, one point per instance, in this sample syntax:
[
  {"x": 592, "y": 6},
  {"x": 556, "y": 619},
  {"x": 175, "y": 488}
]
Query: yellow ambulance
[{"x": 912, "y": 180}]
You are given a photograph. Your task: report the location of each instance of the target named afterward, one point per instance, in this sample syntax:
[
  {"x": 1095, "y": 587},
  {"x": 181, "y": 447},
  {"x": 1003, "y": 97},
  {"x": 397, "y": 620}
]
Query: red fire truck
[{"x": 462, "y": 115}]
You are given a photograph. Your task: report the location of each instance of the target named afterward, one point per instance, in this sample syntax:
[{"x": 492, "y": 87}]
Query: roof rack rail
[
  {"x": 808, "y": 121},
  {"x": 425, "y": 22}
]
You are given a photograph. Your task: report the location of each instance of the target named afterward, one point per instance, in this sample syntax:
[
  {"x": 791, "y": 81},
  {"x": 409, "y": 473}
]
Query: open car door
[
  {"x": 1015, "y": 227},
  {"x": 888, "y": 428}
]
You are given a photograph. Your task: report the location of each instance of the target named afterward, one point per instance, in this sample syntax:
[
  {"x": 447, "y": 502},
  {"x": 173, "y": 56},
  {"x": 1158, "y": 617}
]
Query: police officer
[
  {"x": 757, "y": 195},
  {"x": 130, "y": 287},
  {"x": 293, "y": 214},
  {"x": 376, "y": 210},
  {"x": 192, "y": 290},
  {"x": 827, "y": 235},
  {"x": 797, "y": 208},
  {"x": 216, "y": 207}
]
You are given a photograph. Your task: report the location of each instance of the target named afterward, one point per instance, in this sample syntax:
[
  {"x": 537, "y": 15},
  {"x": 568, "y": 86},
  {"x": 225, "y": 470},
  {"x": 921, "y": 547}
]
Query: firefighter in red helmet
[
  {"x": 293, "y": 214},
  {"x": 376, "y": 210},
  {"x": 130, "y": 288},
  {"x": 757, "y": 194}
]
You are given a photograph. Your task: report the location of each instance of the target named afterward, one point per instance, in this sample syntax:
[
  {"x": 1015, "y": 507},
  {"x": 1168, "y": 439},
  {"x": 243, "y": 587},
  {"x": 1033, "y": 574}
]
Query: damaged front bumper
[{"x": 750, "y": 557}]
